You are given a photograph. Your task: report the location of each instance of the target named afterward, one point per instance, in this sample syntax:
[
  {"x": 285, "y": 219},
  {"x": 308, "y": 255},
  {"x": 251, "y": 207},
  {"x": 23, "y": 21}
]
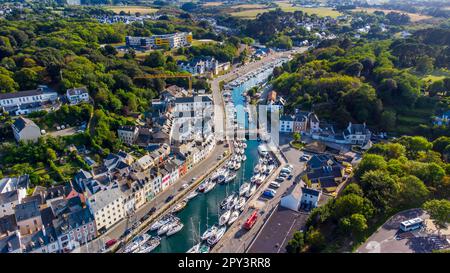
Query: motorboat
[
  {"x": 217, "y": 236},
  {"x": 153, "y": 243},
  {"x": 232, "y": 202},
  {"x": 244, "y": 157},
  {"x": 244, "y": 188},
  {"x": 237, "y": 166},
  {"x": 163, "y": 230},
  {"x": 244, "y": 145},
  {"x": 192, "y": 195},
  {"x": 257, "y": 168},
  {"x": 234, "y": 216},
  {"x": 226, "y": 201},
  {"x": 178, "y": 207},
  {"x": 202, "y": 186},
  {"x": 209, "y": 232},
  {"x": 195, "y": 248},
  {"x": 251, "y": 191},
  {"x": 210, "y": 186},
  {"x": 221, "y": 179},
  {"x": 176, "y": 227},
  {"x": 241, "y": 202},
  {"x": 204, "y": 249},
  {"x": 160, "y": 223},
  {"x": 230, "y": 177},
  {"x": 255, "y": 177},
  {"x": 224, "y": 217}
]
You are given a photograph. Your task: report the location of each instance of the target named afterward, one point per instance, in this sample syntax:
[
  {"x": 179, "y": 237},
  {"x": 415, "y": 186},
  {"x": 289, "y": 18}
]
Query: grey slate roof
[
  {"x": 193, "y": 99},
  {"x": 22, "y": 122},
  {"x": 27, "y": 210},
  {"x": 9, "y": 197}
]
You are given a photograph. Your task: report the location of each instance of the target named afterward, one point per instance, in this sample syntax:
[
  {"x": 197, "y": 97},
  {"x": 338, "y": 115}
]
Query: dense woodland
[
  {"x": 408, "y": 173},
  {"x": 379, "y": 82}
]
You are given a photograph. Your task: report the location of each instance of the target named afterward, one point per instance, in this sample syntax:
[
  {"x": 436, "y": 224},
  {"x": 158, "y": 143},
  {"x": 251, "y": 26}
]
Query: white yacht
[
  {"x": 217, "y": 236},
  {"x": 244, "y": 188},
  {"x": 234, "y": 216},
  {"x": 224, "y": 217},
  {"x": 209, "y": 232},
  {"x": 251, "y": 191},
  {"x": 241, "y": 202},
  {"x": 177, "y": 226}
]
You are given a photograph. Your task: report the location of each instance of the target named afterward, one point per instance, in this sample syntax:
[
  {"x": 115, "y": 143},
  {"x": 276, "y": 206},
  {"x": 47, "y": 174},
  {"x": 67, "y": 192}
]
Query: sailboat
[
  {"x": 234, "y": 216},
  {"x": 224, "y": 217},
  {"x": 244, "y": 188}
]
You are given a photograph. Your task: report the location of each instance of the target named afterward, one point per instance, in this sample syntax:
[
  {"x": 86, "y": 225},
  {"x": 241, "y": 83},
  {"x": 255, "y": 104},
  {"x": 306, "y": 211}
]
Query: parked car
[
  {"x": 269, "y": 193},
  {"x": 275, "y": 184},
  {"x": 170, "y": 197},
  {"x": 279, "y": 179},
  {"x": 184, "y": 186},
  {"x": 290, "y": 177},
  {"x": 304, "y": 158},
  {"x": 110, "y": 243},
  {"x": 152, "y": 210},
  {"x": 194, "y": 179}
]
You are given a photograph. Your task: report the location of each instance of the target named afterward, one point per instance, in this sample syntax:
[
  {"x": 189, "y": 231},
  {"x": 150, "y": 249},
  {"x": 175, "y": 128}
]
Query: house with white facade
[
  {"x": 77, "y": 95},
  {"x": 107, "y": 208},
  {"x": 25, "y": 130},
  {"x": 128, "y": 134},
  {"x": 25, "y": 102},
  {"x": 200, "y": 65}
]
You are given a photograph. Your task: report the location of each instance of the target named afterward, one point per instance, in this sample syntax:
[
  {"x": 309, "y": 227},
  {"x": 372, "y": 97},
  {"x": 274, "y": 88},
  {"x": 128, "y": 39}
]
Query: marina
[{"x": 218, "y": 201}]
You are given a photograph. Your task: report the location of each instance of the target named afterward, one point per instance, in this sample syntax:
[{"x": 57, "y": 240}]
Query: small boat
[
  {"x": 244, "y": 188},
  {"x": 237, "y": 166},
  {"x": 210, "y": 186},
  {"x": 178, "y": 207},
  {"x": 217, "y": 236},
  {"x": 195, "y": 248},
  {"x": 244, "y": 145},
  {"x": 226, "y": 201},
  {"x": 221, "y": 179},
  {"x": 234, "y": 216},
  {"x": 255, "y": 177},
  {"x": 241, "y": 202},
  {"x": 224, "y": 217},
  {"x": 263, "y": 169},
  {"x": 153, "y": 243},
  {"x": 160, "y": 223},
  {"x": 244, "y": 157},
  {"x": 209, "y": 232},
  {"x": 257, "y": 168},
  {"x": 202, "y": 186},
  {"x": 175, "y": 227},
  {"x": 162, "y": 230},
  {"x": 131, "y": 247},
  {"x": 230, "y": 177},
  {"x": 232, "y": 202},
  {"x": 192, "y": 195},
  {"x": 204, "y": 249},
  {"x": 251, "y": 191}
]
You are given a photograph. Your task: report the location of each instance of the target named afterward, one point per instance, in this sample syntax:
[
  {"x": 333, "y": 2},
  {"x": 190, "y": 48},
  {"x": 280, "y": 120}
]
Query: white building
[
  {"x": 25, "y": 102},
  {"x": 192, "y": 103},
  {"x": 128, "y": 134},
  {"x": 286, "y": 124},
  {"x": 173, "y": 40},
  {"x": 107, "y": 208},
  {"x": 200, "y": 65},
  {"x": 25, "y": 130},
  {"x": 310, "y": 198},
  {"x": 77, "y": 95}
]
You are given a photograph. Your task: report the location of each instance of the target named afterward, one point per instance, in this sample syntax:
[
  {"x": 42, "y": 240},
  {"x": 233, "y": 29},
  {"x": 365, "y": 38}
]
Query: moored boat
[
  {"x": 244, "y": 188},
  {"x": 210, "y": 186},
  {"x": 191, "y": 195},
  {"x": 241, "y": 202},
  {"x": 209, "y": 232},
  {"x": 224, "y": 217},
  {"x": 217, "y": 236},
  {"x": 251, "y": 191},
  {"x": 178, "y": 207},
  {"x": 234, "y": 216},
  {"x": 177, "y": 226}
]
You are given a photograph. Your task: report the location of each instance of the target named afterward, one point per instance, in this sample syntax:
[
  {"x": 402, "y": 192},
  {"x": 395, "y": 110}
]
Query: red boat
[{"x": 251, "y": 220}]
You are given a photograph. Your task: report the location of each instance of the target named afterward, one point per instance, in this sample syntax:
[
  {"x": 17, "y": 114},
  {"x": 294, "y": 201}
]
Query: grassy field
[
  {"x": 212, "y": 4},
  {"x": 414, "y": 16},
  {"x": 132, "y": 9},
  {"x": 201, "y": 42},
  {"x": 254, "y": 9},
  {"x": 249, "y": 6}
]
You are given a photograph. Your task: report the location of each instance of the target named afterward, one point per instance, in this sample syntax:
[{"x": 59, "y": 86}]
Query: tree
[
  {"x": 424, "y": 64},
  {"x": 353, "y": 188},
  {"x": 7, "y": 84},
  {"x": 155, "y": 59},
  {"x": 297, "y": 137},
  {"x": 356, "y": 224},
  {"x": 349, "y": 204},
  {"x": 388, "y": 120},
  {"x": 413, "y": 191},
  {"x": 380, "y": 188},
  {"x": 315, "y": 240},
  {"x": 51, "y": 154},
  {"x": 297, "y": 243},
  {"x": 371, "y": 162},
  {"x": 439, "y": 211}
]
